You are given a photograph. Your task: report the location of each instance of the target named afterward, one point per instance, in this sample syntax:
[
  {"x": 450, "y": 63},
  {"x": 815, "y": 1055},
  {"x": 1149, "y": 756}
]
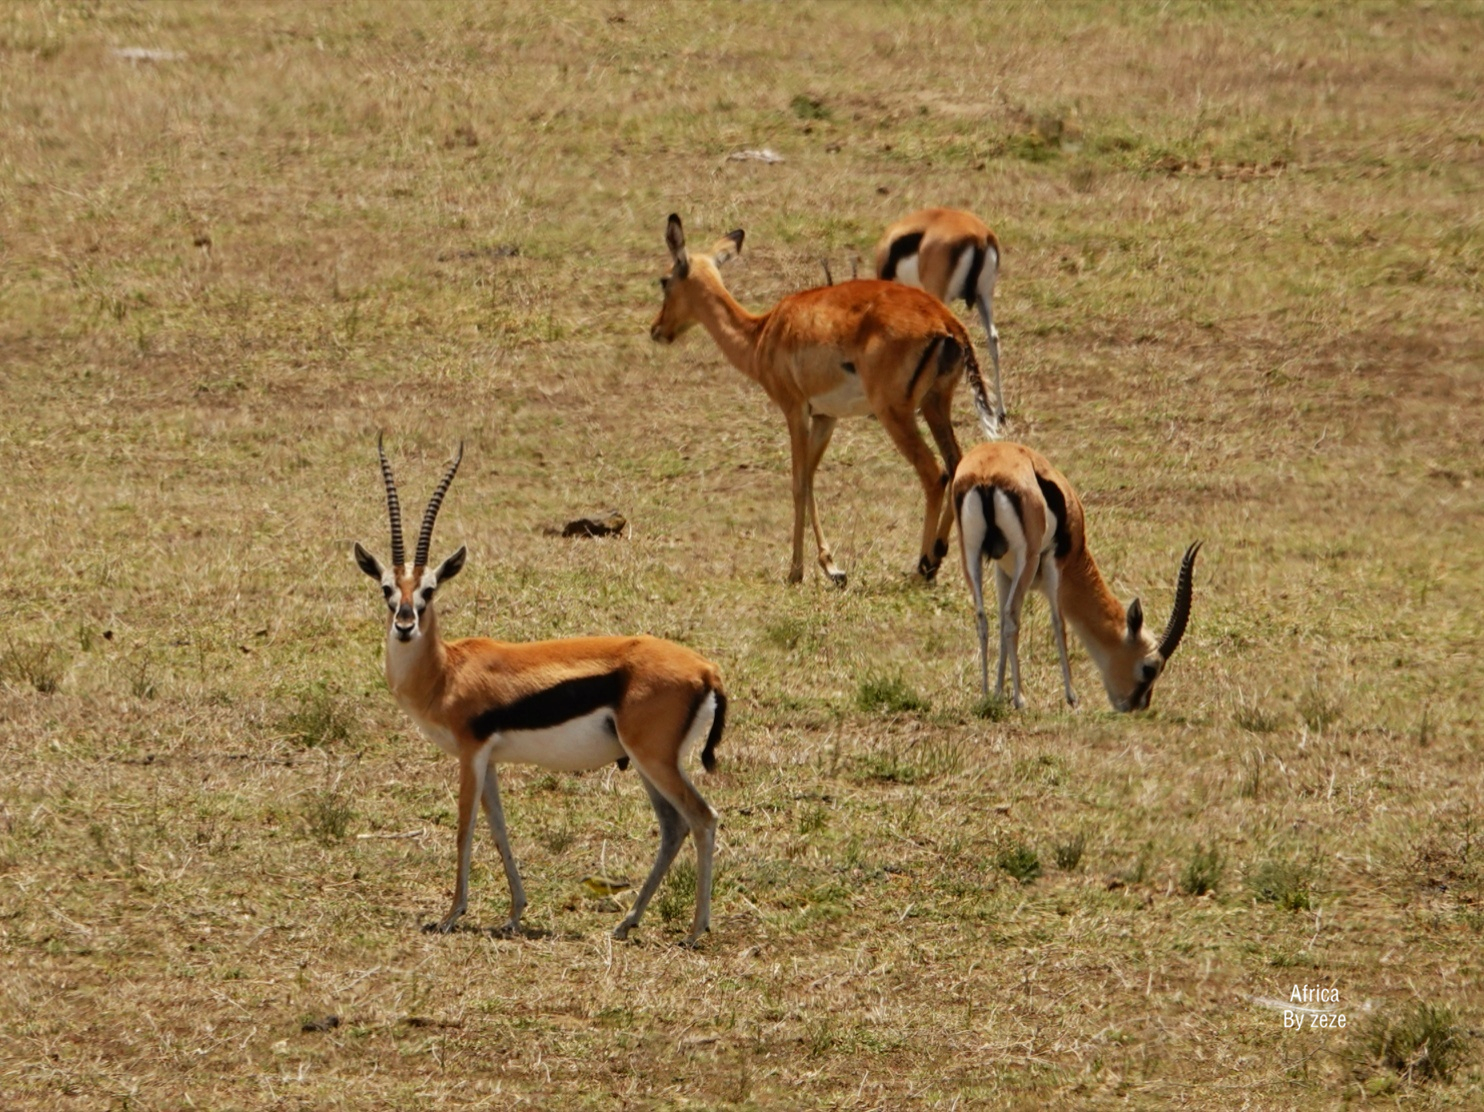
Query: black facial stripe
[
  {"x": 848, "y": 368},
  {"x": 561, "y": 702},
  {"x": 901, "y": 248}
]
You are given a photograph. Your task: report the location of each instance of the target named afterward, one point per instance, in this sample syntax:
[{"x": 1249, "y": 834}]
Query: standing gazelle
[
  {"x": 952, "y": 254},
  {"x": 1016, "y": 509},
  {"x": 567, "y": 705},
  {"x": 836, "y": 351}
]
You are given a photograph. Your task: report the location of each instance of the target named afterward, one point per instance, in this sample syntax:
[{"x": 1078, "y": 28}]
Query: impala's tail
[{"x": 987, "y": 423}]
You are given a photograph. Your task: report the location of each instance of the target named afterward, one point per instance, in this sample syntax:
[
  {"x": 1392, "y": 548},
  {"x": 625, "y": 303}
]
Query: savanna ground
[{"x": 1241, "y": 300}]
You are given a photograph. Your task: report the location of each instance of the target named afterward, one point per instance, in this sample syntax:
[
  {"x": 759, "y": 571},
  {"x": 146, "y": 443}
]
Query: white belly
[
  {"x": 845, "y": 400},
  {"x": 576, "y": 745}
]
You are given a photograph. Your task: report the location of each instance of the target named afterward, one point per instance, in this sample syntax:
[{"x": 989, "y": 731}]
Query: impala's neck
[
  {"x": 415, "y": 669},
  {"x": 734, "y": 329},
  {"x": 1097, "y": 617}
]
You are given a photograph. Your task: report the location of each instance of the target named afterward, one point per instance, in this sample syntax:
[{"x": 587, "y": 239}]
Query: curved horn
[
  {"x": 425, "y": 538},
  {"x": 1170, "y": 640},
  {"x": 393, "y": 507}
]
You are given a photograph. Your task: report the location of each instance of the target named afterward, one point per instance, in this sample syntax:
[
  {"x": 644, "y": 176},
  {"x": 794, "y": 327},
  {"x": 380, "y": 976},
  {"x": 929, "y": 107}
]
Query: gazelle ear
[
  {"x": 369, "y": 563},
  {"x": 675, "y": 241},
  {"x": 727, "y": 248},
  {"x": 452, "y": 566},
  {"x": 1135, "y": 619}
]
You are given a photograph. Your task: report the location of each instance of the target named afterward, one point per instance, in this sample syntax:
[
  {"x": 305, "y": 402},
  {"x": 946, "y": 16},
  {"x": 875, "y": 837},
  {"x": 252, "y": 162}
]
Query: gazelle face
[
  {"x": 688, "y": 280},
  {"x": 1129, "y": 675},
  {"x": 408, "y": 593}
]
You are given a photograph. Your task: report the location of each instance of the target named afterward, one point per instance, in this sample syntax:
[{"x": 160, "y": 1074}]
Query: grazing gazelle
[
  {"x": 849, "y": 350},
  {"x": 951, "y": 254},
  {"x": 567, "y": 705},
  {"x": 1020, "y": 512}
]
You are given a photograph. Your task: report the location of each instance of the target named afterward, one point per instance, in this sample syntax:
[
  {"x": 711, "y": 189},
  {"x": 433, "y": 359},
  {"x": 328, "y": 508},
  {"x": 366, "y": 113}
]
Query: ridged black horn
[
  {"x": 425, "y": 538},
  {"x": 393, "y": 507},
  {"x": 1180, "y": 616}
]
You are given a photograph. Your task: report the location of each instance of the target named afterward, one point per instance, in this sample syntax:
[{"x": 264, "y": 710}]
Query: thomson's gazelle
[
  {"x": 563, "y": 705},
  {"x": 1019, "y": 512}
]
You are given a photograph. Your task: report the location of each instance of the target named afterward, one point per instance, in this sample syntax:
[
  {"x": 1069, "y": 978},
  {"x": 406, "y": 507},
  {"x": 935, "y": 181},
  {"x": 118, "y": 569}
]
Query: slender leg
[
  {"x": 901, "y": 425},
  {"x": 798, "y": 442},
  {"x": 821, "y": 428},
  {"x": 985, "y": 304},
  {"x": 1002, "y": 590},
  {"x": 972, "y": 529},
  {"x": 672, "y": 833},
  {"x": 1050, "y": 584},
  {"x": 471, "y": 782},
  {"x": 937, "y": 411},
  {"x": 496, "y": 816},
  {"x": 1012, "y": 598}
]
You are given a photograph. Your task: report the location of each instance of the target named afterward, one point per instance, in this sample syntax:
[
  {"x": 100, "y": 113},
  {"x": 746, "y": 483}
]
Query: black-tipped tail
[{"x": 718, "y": 723}]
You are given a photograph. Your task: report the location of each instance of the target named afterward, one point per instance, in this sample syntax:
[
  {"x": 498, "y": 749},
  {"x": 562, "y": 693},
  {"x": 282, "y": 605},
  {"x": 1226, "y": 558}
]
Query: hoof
[
  {"x": 926, "y": 568},
  {"x": 621, "y": 932},
  {"x": 510, "y": 929},
  {"x": 837, "y": 577}
]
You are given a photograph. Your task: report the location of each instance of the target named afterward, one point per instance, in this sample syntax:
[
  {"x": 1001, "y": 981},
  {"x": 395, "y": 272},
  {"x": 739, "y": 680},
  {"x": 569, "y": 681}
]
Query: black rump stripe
[
  {"x": 971, "y": 281},
  {"x": 996, "y": 544},
  {"x": 901, "y": 248},
  {"x": 561, "y": 702},
  {"x": 1057, "y": 504}
]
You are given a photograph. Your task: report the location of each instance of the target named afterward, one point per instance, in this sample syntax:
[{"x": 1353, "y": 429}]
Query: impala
[
  {"x": 952, "y": 254},
  {"x": 567, "y": 706},
  {"x": 1017, "y": 510},
  {"x": 848, "y": 350}
]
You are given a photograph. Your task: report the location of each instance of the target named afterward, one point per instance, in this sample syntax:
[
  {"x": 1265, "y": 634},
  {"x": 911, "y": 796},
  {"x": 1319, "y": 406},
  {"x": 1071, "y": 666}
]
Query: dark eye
[
  {"x": 1147, "y": 672},
  {"x": 385, "y": 590},
  {"x": 665, "y": 283}
]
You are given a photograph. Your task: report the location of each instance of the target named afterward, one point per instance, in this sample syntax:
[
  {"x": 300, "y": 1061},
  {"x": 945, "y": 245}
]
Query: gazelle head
[
  {"x": 689, "y": 280},
  {"x": 1130, "y": 670},
  {"x": 408, "y": 590}
]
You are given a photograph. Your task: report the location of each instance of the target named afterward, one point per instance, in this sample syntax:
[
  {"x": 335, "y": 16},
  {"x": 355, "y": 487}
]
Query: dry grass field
[{"x": 1242, "y": 300}]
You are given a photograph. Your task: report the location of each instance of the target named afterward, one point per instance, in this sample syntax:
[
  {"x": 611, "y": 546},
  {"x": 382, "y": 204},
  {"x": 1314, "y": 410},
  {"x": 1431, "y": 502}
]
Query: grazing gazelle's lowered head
[
  {"x": 1018, "y": 511},
  {"x": 568, "y": 706},
  {"x": 847, "y": 350},
  {"x": 952, "y": 254}
]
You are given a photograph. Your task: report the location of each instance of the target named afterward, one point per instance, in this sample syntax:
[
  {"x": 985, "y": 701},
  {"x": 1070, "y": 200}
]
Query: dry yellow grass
[{"x": 1241, "y": 301}]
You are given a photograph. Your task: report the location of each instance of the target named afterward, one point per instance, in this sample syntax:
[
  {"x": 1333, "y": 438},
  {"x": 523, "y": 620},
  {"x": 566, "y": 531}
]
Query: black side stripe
[
  {"x": 927, "y": 353},
  {"x": 561, "y": 702},
  {"x": 1056, "y": 502},
  {"x": 902, "y": 247}
]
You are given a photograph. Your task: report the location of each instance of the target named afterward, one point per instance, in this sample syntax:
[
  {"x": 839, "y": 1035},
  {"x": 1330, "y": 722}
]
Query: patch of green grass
[
  {"x": 807, "y": 107},
  {"x": 40, "y": 666},
  {"x": 1017, "y": 859},
  {"x": 993, "y": 708},
  {"x": 890, "y": 694},
  {"x": 1067, "y": 853},
  {"x": 1284, "y": 882},
  {"x": 675, "y": 903},
  {"x": 319, "y": 720},
  {"x": 1319, "y": 709},
  {"x": 1428, "y": 1043},
  {"x": 1202, "y": 873},
  {"x": 328, "y": 815}
]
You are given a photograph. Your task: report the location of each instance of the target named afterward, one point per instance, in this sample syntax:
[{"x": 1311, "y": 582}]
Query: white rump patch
[
  {"x": 700, "y": 725},
  {"x": 1009, "y": 522},
  {"x": 907, "y": 271},
  {"x": 846, "y": 400},
  {"x": 972, "y": 525},
  {"x": 960, "y": 276},
  {"x": 577, "y": 745}
]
